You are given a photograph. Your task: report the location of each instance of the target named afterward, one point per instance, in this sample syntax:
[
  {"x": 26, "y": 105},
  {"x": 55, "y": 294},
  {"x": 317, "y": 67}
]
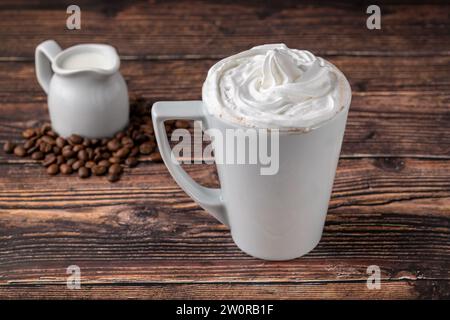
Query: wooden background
[{"x": 144, "y": 238}]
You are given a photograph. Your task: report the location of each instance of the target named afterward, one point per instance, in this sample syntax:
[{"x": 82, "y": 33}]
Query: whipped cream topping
[{"x": 272, "y": 86}]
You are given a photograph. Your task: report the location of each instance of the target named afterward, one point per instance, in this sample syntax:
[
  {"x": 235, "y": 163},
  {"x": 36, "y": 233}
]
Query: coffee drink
[
  {"x": 272, "y": 86},
  {"x": 279, "y": 216}
]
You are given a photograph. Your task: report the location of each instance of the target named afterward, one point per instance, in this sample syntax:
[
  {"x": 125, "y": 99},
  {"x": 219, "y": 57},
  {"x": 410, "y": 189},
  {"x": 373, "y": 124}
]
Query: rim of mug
[
  {"x": 92, "y": 47},
  {"x": 345, "y": 106}
]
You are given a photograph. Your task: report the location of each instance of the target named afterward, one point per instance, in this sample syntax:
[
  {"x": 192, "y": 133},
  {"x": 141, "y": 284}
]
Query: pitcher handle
[
  {"x": 209, "y": 199},
  {"x": 44, "y": 56}
]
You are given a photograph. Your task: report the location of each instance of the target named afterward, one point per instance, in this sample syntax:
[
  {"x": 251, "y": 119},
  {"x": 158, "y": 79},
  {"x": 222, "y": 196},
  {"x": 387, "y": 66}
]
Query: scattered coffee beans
[
  {"x": 113, "y": 177},
  {"x": 95, "y": 157},
  {"x": 53, "y": 169},
  {"x": 37, "y": 155},
  {"x": 28, "y": 133},
  {"x": 131, "y": 162},
  {"x": 65, "y": 168},
  {"x": 99, "y": 170},
  {"x": 20, "y": 151},
  {"x": 83, "y": 172},
  {"x": 8, "y": 147}
]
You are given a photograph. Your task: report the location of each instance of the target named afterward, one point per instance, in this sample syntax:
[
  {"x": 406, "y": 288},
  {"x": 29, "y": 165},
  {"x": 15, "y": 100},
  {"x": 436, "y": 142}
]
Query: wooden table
[{"x": 145, "y": 238}]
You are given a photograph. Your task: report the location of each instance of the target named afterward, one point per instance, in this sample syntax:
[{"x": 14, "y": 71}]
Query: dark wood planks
[
  {"x": 193, "y": 29},
  {"x": 402, "y": 289},
  {"x": 392, "y": 213},
  {"x": 145, "y": 238},
  {"x": 182, "y": 79},
  {"x": 406, "y": 100}
]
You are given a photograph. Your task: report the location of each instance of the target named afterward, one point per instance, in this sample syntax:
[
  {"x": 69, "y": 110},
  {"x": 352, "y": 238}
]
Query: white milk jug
[{"x": 87, "y": 95}]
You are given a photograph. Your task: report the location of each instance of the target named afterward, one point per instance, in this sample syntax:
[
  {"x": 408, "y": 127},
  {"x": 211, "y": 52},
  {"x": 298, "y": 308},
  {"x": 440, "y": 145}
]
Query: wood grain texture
[
  {"x": 395, "y": 76},
  {"x": 144, "y": 238},
  {"x": 386, "y": 106},
  {"x": 402, "y": 289},
  {"x": 388, "y": 212},
  {"x": 213, "y": 29}
]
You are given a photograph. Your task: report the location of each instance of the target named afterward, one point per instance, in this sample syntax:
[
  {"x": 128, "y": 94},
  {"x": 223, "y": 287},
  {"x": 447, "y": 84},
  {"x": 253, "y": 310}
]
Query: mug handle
[
  {"x": 209, "y": 199},
  {"x": 44, "y": 55}
]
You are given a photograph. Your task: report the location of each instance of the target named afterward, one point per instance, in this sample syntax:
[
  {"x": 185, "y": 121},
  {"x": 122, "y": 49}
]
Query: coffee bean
[
  {"x": 115, "y": 169},
  {"x": 77, "y": 165},
  {"x": 122, "y": 153},
  {"x": 59, "y": 160},
  {"x": 99, "y": 170},
  {"x": 37, "y": 155},
  {"x": 71, "y": 161},
  {"x": 155, "y": 157},
  {"x": 131, "y": 162},
  {"x": 45, "y": 127},
  {"x": 49, "y": 159},
  {"x": 119, "y": 135},
  {"x": 42, "y": 146},
  {"x": 104, "y": 163},
  {"x": 104, "y": 141},
  {"x": 134, "y": 152},
  {"x": 146, "y": 148},
  {"x": 113, "y": 145},
  {"x": 29, "y": 144},
  {"x": 20, "y": 151},
  {"x": 90, "y": 164},
  {"x": 94, "y": 142},
  {"x": 45, "y": 147},
  {"x": 90, "y": 152},
  {"x": 28, "y": 133},
  {"x": 134, "y": 135},
  {"x": 65, "y": 168},
  {"x": 86, "y": 142},
  {"x": 75, "y": 139},
  {"x": 106, "y": 155},
  {"x": 115, "y": 160},
  {"x": 140, "y": 138},
  {"x": 53, "y": 169},
  {"x": 67, "y": 152},
  {"x": 8, "y": 147},
  {"x": 97, "y": 158},
  {"x": 113, "y": 177},
  {"x": 127, "y": 142},
  {"x": 56, "y": 150},
  {"x": 83, "y": 172},
  {"x": 33, "y": 149},
  {"x": 77, "y": 148},
  {"x": 51, "y": 133},
  {"x": 49, "y": 140},
  {"x": 148, "y": 128},
  {"x": 60, "y": 142},
  {"x": 83, "y": 155}
]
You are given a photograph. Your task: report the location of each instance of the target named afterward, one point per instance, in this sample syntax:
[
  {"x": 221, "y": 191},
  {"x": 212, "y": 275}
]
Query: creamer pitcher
[{"x": 87, "y": 95}]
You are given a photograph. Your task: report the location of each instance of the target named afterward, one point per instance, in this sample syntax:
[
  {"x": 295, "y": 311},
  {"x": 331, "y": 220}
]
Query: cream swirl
[{"x": 273, "y": 86}]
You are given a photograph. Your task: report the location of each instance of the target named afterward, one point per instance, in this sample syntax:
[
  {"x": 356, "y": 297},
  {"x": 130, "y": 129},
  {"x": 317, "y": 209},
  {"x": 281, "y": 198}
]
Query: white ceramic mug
[
  {"x": 272, "y": 217},
  {"x": 89, "y": 98}
]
